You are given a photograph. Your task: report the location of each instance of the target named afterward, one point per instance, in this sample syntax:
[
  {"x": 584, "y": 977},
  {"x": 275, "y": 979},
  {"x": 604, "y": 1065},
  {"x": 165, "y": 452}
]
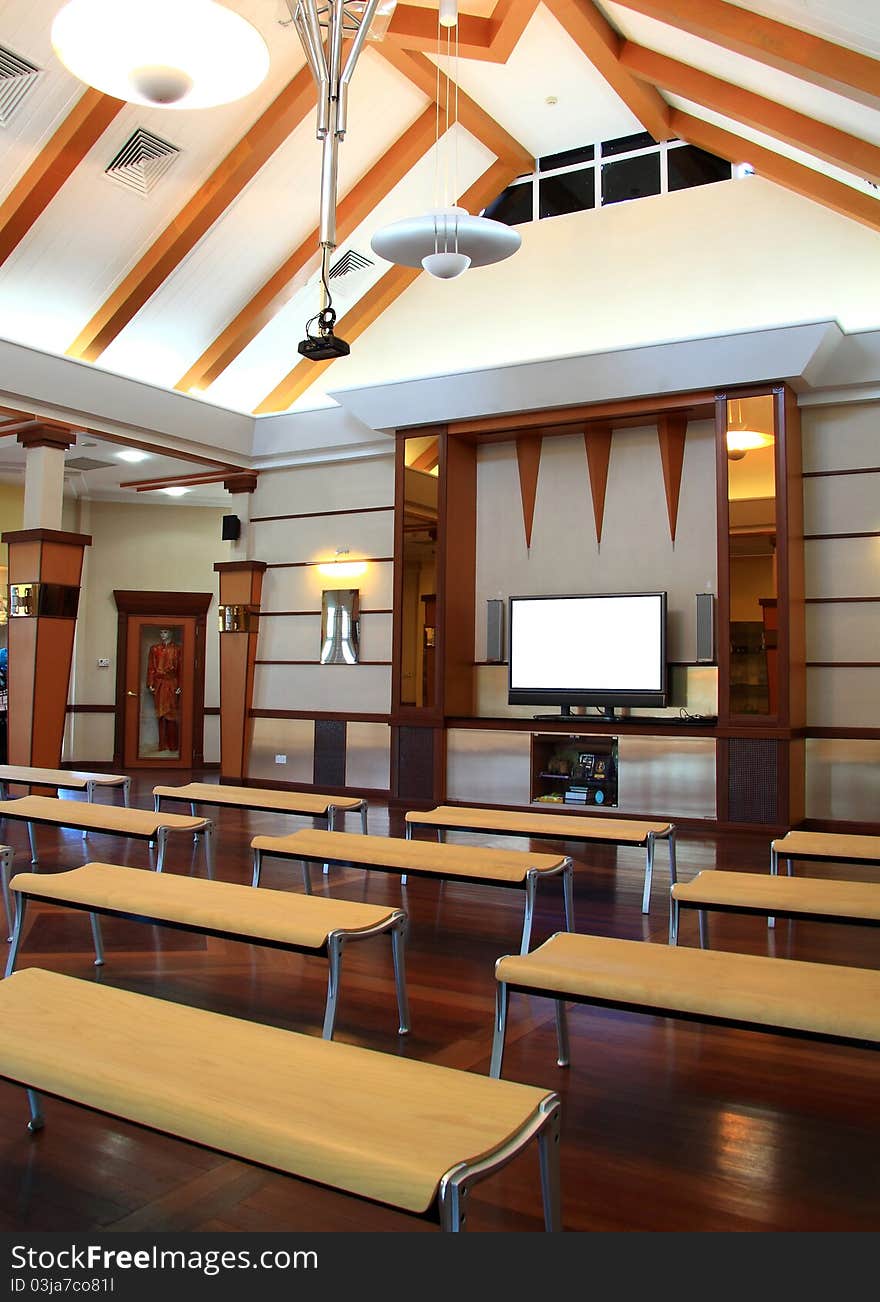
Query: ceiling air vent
[
  {"x": 141, "y": 162},
  {"x": 350, "y": 261},
  {"x": 17, "y": 77},
  {"x": 86, "y": 463}
]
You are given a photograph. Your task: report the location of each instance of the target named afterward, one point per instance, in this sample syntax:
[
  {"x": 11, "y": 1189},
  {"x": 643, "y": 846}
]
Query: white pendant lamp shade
[
  {"x": 185, "y": 54},
  {"x": 445, "y": 233}
]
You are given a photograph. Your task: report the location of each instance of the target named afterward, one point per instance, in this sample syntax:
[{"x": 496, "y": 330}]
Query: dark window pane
[
  {"x": 571, "y": 192},
  {"x": 691, "y": 166},
  {"x": 513, "y": 205},
  {"x": 585, "y": 154},
  {"x": 626, "y": 144},
  {"x": 632, "y": 179}
]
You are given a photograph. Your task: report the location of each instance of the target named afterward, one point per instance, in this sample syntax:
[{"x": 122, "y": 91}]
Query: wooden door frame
[{"x": 164, "y": 605}]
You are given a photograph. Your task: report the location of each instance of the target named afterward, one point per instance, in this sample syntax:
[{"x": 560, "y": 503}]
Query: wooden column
[
  {"x": 45, "y": 569},
  {"x": 241, "y": 585}
]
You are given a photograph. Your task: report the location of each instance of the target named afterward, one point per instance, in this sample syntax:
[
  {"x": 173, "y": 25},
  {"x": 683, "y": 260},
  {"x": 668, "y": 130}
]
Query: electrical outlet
[
  {"x": 280, "y": 759},
  {"x": 103, "y": 663}
]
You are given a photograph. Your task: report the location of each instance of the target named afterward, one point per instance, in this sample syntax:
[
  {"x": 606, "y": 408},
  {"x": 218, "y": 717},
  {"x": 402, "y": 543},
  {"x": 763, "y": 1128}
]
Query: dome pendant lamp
[
  {"x": 447, "y": 239},
  {"x": 182, "y": 54}
]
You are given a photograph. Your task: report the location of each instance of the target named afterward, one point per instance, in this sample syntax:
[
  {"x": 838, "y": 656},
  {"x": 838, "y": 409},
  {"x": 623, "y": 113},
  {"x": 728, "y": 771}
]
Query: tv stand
[{"x": 608, "y": 715}]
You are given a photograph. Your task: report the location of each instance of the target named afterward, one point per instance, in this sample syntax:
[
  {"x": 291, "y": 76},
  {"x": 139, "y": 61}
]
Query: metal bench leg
[
  {"x": 208, "y": 834},
  {"x": 98, "y": 939},
  {"x": 161, "y": 842},
  {"x": 33, "y": 842},
  {"x": 37, "y": 1120},
  {"x": 157, "y": 804},
  {"x": 335, "y": 944},
  {"x": 774, "y": 872},
  {"x": 194, "y": 814},
  {"x": 398, "y": 944},
  {"x": 531, "y": 883},
  {"x": 441, "y": 835},
  {"x": 451, "y": 1202},
  {"x": 5, "y": 866},
  {"x": 407, "y": 831},
  {"x": 17, "y": 934},
  {"x": 674, "y": 919},
  {"x": 568, "y": 893},
  {"x": 90, "y": 797},
  {"x": 704, "y": 929},
  {"x": 403, "y": 877},
  {"x": 331, "y": 827},
  {"x": 502, "y": 998},
  {"x": 307, "y": 876},
  {"x": 364, "y": 818},
  {"x": 673, "y": 865},
  {"x": 563, "y": 1053},
  {"x": 548, "y": 1157},
  {"x": 126, "y": 793},
  {"x": 649, "y": 873},
  {"x": 258, "y": 868}
]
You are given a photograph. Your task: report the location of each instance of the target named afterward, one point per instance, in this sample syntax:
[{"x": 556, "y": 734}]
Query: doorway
[{"x": 160, "y": 686}]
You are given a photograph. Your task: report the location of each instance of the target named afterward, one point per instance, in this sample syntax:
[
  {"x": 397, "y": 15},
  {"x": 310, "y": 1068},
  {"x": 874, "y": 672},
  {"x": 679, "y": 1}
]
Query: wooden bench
[
  {"x": 784, "y": 996},
  {"x": 261, "y": 800},
  {"x": 62, "y": 780},
  {"x": 409, "y": 1135},
  {"x": 276, "y": 919},
  {"x": 823, "y": 847},
  {"x": 807, "y": 898},
  {"x": 519, "y": 869},
  {"x": 586, "y": 829},
  {"x": 139, "y": 824}
]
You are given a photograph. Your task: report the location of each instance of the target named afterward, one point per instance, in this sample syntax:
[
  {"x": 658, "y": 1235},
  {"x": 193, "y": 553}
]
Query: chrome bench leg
[
  {"x": 364, "y": 808},
  {"x": 307, "y": 876},
  {"x": 5, "y": 867},
  {"x": 704, "y": 929},
  {"x": 18, "y": 932},
  {"x": 126, "y": 793},
  {"x": 161, "y": 842},
  {"x": 548, "y": 1157},
  {"x": 208, "y": 834},
  {"x": 502, "y": 999},
  {"x": 98, "y": 939},
  {"x": 563, "y": 1053},
  {"x": 774, "y": 872},
  {"x": 398, "y": 943},
  {"x": 335, "y": 943},
  {"x": 531, "y": 885},
  {"x": 568, "y": 893},
  {"x": 649, "y": 873},
  {"x": 33, "y": 842},
  {"x": 674, "y": 919},
  {"x": 258, "y": 868},
  {"x": 37, "y": 1120}
]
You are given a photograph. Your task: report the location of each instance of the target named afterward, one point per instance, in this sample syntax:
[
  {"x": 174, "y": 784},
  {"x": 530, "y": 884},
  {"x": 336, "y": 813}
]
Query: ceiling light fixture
[
  {"x": 741, "y": 437},
  {"x": 133, "y": 455},
  {"x": 176, "y": 491},
  {"x": 447, "y": 239},
  {"x": 184, "y": 54},
  {"x": 322, "y": 29}
]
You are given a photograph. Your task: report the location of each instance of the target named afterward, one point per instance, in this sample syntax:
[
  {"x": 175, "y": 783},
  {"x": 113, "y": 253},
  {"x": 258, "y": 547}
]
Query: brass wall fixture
[
  {"x": 49, "y": 600},
  {"x": 236, "y": 619}
]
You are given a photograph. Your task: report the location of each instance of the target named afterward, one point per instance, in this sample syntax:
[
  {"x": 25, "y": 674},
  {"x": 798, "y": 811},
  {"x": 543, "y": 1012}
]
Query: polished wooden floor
[{"x": 666, "y": 1125}]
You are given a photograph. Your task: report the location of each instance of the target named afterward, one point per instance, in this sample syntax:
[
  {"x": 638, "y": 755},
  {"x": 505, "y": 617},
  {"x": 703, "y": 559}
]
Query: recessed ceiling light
[
  {"x": 132, "y": 454},
  {"x": 174, "y": 492}
]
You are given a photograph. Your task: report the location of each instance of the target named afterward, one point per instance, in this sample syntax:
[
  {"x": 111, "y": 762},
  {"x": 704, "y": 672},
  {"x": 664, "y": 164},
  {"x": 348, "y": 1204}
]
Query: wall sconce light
[
  {"x": 741, "y": 438},
  {"x": 342, "y": 569}
]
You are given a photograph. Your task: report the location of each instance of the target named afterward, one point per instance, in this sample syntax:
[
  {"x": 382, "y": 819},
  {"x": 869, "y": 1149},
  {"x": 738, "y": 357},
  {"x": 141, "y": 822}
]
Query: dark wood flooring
[{"x": 666, "y": 1125}]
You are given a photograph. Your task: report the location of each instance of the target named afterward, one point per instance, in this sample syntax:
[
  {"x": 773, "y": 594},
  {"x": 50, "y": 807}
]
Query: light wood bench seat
[
  {"x": 139, "y": 824},
  {"x": 584, "y": 828},
  {"x": 808, "y": 898},
  {"x": 62, "y": 780},
  {"x": 309, "y": 925},
  {"x": 409, "y": 1135},
  {"x": 519, "y": 869},
  {"x": 824, "y": 847},
  {"x": 263, "y": 800},
  {"x": 786, "y": 996}
]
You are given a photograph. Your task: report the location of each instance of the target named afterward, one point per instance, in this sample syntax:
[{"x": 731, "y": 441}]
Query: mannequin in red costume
[{"x": 163, "y": 680}]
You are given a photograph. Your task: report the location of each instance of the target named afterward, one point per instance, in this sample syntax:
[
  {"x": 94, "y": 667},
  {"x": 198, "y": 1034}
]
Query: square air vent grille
[
  {"x": 17, "y": 78},
  {"x": 350, "y": 261},
  {"x": 141, "y": 162},
  {"x": 86, "y": 463}
]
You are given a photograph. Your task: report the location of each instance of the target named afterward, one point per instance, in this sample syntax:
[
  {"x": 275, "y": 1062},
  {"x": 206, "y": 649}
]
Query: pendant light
[
  {"x": 447, "y": 239},
  {"x": 741, "y": 436},
  {"x": 183, "y": 54}
]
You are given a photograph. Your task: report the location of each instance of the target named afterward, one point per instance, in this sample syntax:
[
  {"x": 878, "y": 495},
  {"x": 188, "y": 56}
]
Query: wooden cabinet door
[{"x": 159, "y": 691}]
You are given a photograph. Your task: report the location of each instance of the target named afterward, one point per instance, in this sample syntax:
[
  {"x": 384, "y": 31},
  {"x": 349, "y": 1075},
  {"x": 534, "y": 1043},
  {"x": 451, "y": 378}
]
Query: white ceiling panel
[
  {"x": 855, "y": 23},
  {"x": 271, "y": 217},
  {"x": 545, "y": 63},
  {"x": 750, "y": 74},
  {"x": 269, "y": 357}
]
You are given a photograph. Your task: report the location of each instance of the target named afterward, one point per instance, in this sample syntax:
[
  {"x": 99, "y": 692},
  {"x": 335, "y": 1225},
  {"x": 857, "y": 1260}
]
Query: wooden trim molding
[
  {"x": 298, "y": 565},
  {"x": 843, "y": 664},
  {"x": 282, "y": 614},
  {"x": 829, "y": 537},
  {"x": 46, "y": 535},
  {"x": 91, "y": 709},
  {"x": 597, "y": 442},
  {"x": 358, "y": 665},
  {"x": 671, "y": 435},
  {"x": 321, "y": 714},
  {"x": 827, "y": 474},
  {"x": 161, "y": 603},
  {"x": 236, "y": 567},
  {"x": 528, "y": 460},
  {"x": 833, "y": 601},
  {"x": 313, "y": 515},
  {"x": 842, "y": 734}
]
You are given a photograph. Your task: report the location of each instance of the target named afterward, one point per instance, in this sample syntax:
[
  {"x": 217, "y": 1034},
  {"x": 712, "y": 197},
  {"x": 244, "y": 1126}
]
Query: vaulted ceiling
[{"x": 191, "y": 263}]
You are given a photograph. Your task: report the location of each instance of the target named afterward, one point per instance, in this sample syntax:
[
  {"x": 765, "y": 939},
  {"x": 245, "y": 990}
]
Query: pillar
[{"x": 241, "y": 584}]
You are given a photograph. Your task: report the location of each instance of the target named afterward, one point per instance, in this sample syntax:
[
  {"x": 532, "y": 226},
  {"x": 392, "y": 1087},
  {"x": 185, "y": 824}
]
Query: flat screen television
[{"x": 601, "y": 649}]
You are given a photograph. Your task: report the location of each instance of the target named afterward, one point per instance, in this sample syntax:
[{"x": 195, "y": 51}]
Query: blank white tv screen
[{"x": 590, "y": 644}]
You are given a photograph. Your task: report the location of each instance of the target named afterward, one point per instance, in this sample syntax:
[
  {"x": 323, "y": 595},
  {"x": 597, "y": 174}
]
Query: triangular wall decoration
[
  {"x": 597, "y": 440},
  {"x": 528, "y": 456},
  {"x": 671, "y": 432}
]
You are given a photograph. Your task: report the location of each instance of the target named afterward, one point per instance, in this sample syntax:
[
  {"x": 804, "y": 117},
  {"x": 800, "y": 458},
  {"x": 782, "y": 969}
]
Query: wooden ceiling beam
[
  {"x": 509, "y": 20},
  {"x": 209, "y": 203},
  {"x": 165, "y": 481},
  {"x": 598, "y": 40},
  {"x": 414, "y": 28},
  {"x": 813, "y": 59},
  {"x": 284, "y": 283},
  {"x": 495, "y": 179},
  {"x": 57, "y": 160},
  {"x": 828, "y": 143},
  {"x": 844, "y": 199}
]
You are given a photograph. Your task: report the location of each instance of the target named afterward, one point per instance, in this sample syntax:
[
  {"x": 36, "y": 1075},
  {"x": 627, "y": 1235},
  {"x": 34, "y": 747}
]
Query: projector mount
[{"x": 322, "y": 28}]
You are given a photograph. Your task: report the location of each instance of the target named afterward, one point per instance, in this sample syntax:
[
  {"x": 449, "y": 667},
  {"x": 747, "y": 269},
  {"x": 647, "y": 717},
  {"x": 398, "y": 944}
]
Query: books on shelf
[{"x": 576, "y": 797}]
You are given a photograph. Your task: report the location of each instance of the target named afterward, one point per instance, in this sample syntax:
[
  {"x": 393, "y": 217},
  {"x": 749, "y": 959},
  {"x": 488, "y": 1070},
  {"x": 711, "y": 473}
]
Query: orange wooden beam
[
  {"x": 208, "y": 204},
  {"x": 528, "y": 460},
  {"x": 83, "y": 126},
  {"x": 809, "y": 57},
  {"x": 817, "y": 138},
  {"x": 671, "y": 434},
  {"x": 423, "y": 74},
  {"x": 844, "y": 199},
  {"x": 427, "y": 460},
  {"x": 598, "y": 40},
  {"x": 414, "y": 28},
  {"x": 166, "y": 481},
  {"x": 509, "y": 20},
  {"x": 375, "y": 301},
  {"x": 281, "y": 287},
  {"x": 597, "y": 440}
]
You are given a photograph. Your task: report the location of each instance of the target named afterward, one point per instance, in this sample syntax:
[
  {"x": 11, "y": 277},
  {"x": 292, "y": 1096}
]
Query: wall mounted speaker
[
  {"x": 705, "y": 627},
  {"x": 231, "y": 530},
  {"x": 495, "y": 631}
]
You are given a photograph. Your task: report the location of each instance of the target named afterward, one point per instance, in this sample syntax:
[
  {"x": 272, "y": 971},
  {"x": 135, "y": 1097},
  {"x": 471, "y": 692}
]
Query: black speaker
[{"x": 231, "y": 531}]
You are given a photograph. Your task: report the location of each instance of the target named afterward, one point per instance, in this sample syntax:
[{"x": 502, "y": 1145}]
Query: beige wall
[{"x": 134, "y": 546}]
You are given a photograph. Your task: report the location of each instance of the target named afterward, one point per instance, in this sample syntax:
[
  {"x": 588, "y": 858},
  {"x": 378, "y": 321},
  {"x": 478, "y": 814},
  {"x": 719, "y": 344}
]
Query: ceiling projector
[{"x": 323, "y": 346}]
